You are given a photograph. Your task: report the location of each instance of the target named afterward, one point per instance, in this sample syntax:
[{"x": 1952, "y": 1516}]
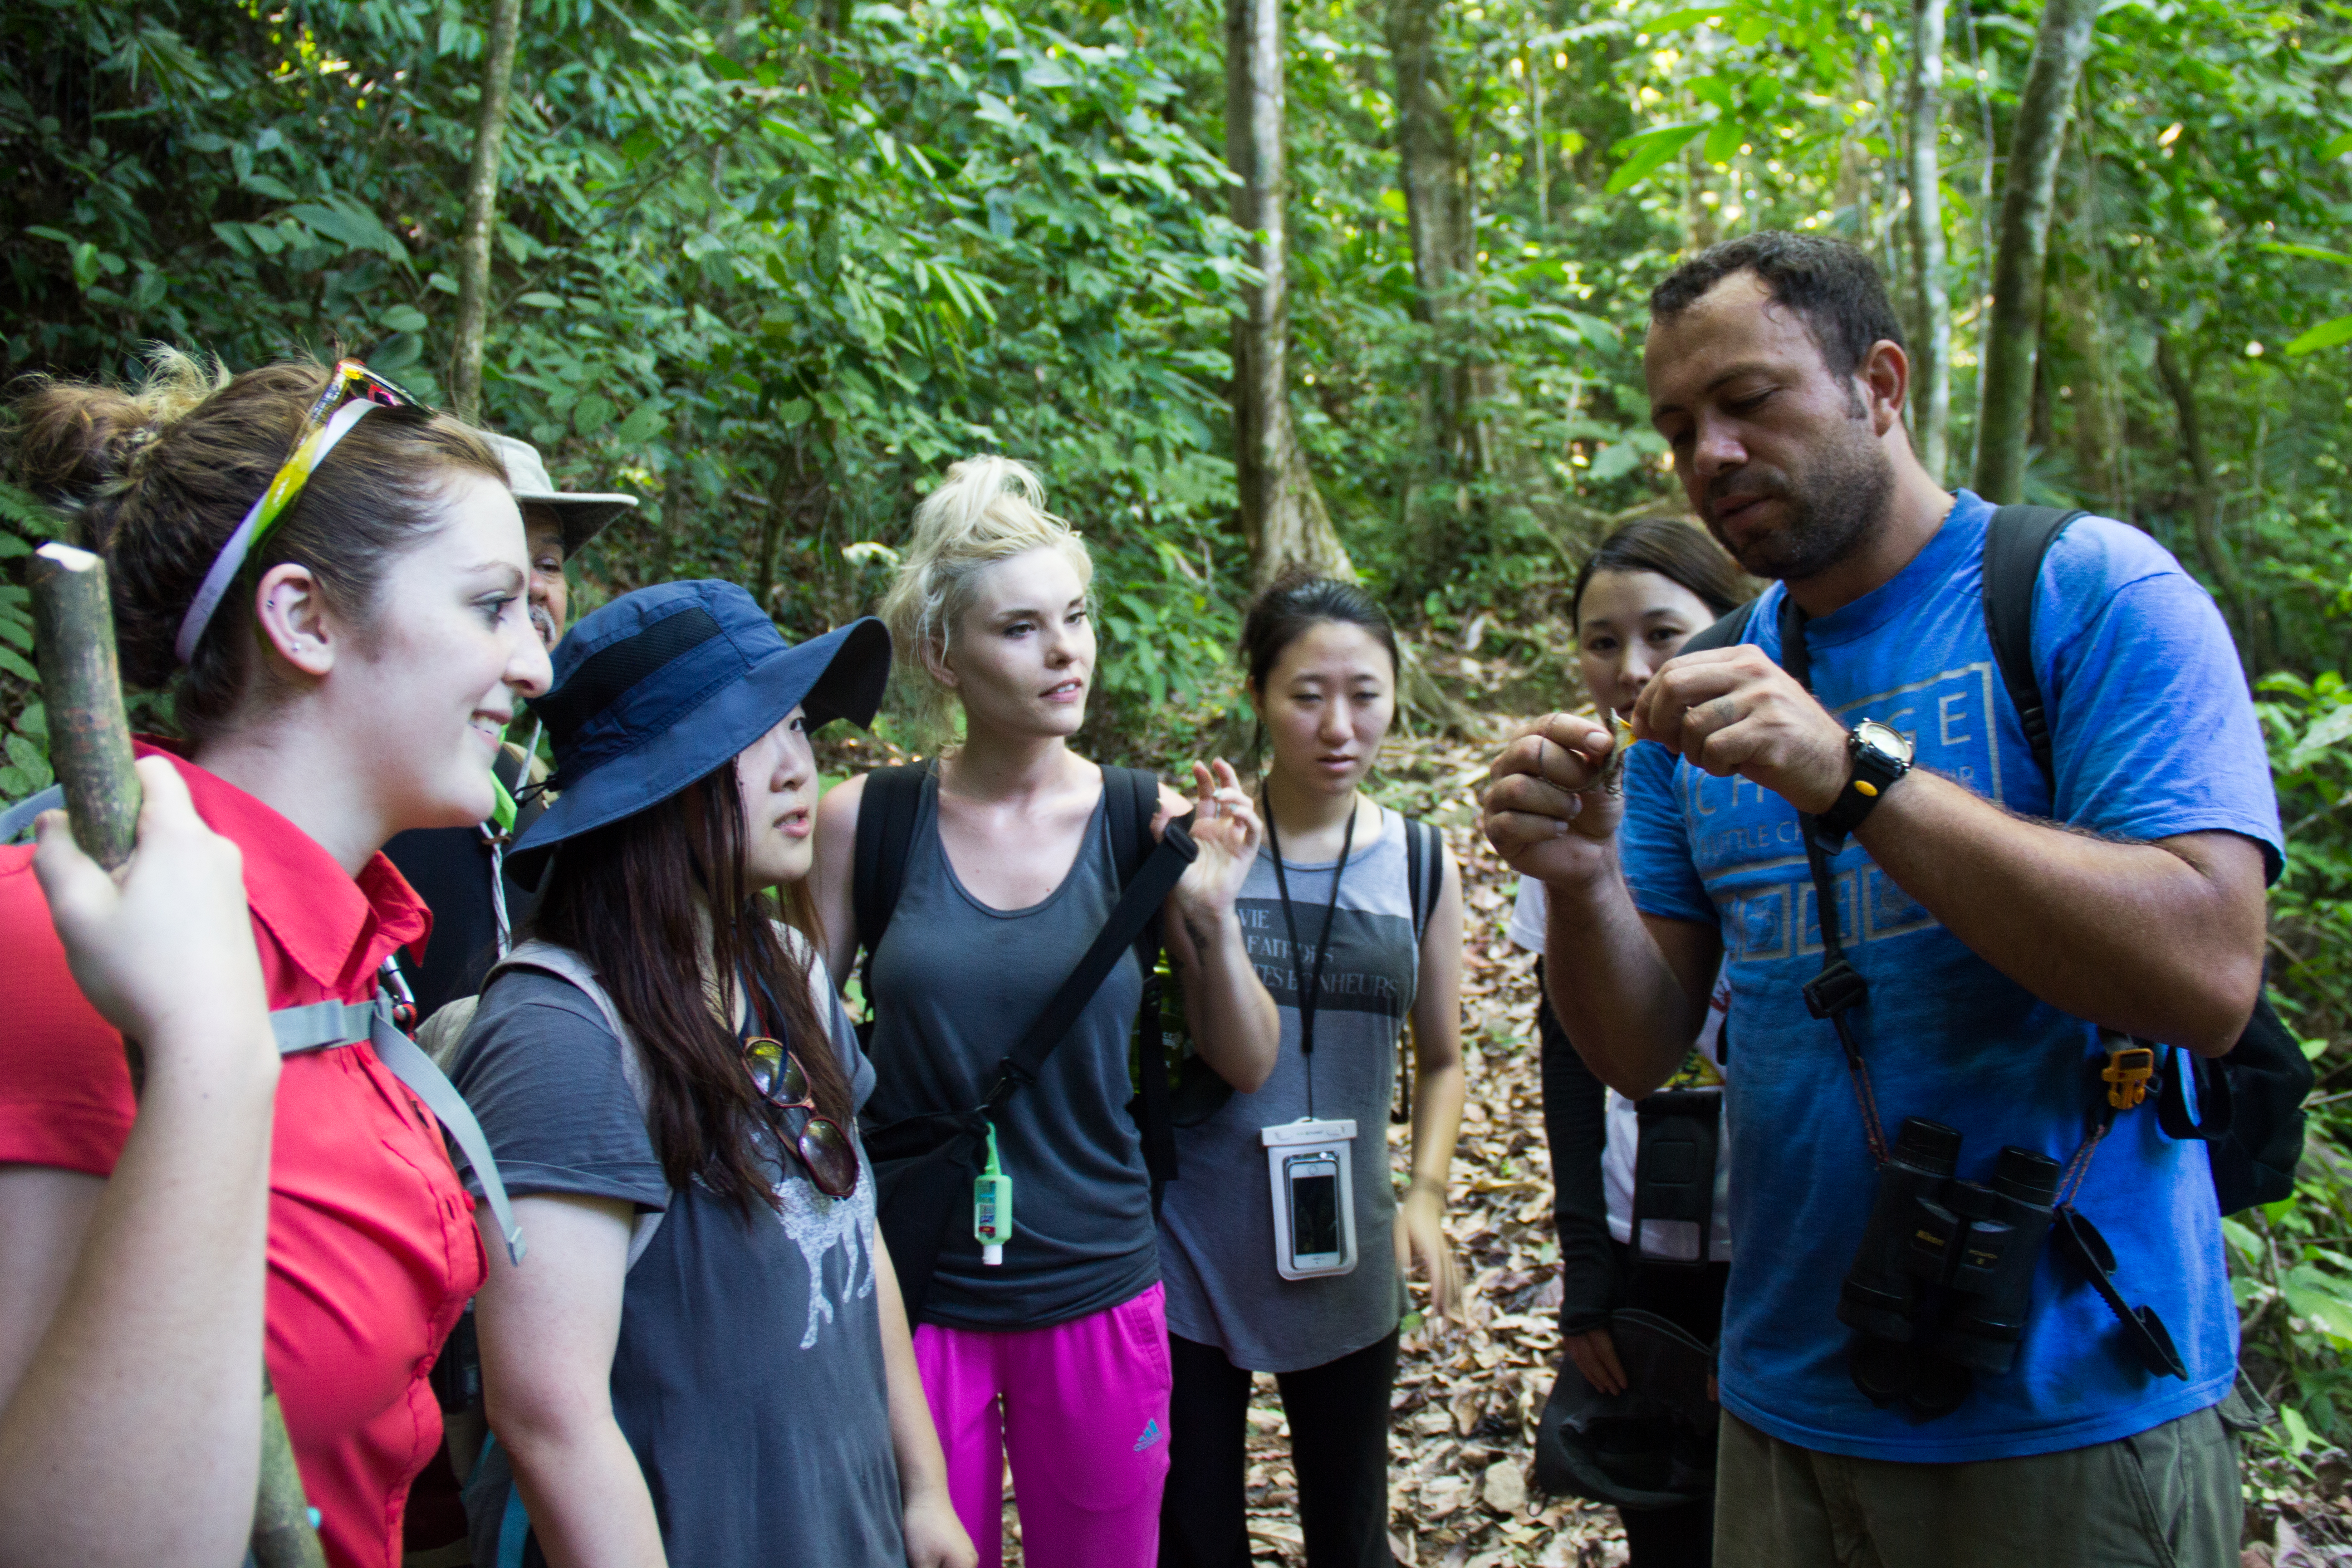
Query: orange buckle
[{"x": 2127, "y": 1072}]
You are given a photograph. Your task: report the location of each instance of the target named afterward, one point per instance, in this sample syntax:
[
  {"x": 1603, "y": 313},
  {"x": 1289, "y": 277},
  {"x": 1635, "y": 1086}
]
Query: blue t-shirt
[{"x": 2154, "y": 735}]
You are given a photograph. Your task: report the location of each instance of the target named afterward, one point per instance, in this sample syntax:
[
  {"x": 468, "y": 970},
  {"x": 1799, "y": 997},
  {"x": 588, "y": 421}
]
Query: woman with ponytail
[
  {"x": 1056, "y": 1347},
  {"x": 328, "y": 582},
  {"x": 1359, "y": 913}
]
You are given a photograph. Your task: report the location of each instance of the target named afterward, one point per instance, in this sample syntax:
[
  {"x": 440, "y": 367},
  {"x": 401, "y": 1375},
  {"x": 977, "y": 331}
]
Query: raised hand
[
  {"x": 1553, "y": 803},
  {"x": 1732, "y": 711},
  {"x": 1228, "y": 831}
]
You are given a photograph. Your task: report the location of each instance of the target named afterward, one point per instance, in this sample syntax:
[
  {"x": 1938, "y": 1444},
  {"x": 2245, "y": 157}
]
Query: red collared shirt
[{"x": 373, "y": 1250}]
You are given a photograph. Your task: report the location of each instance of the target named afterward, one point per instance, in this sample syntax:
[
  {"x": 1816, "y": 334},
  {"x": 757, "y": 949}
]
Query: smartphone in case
[{"x": 1314, "y": 1197}]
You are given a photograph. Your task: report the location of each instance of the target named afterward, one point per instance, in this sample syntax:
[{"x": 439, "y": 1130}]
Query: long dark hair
[
  {"x": 629, "y": 897},
  {"x": 1675, "y": 550}
]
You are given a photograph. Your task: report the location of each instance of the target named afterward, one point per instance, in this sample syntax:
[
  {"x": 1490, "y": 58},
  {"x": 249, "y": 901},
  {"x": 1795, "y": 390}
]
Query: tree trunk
[
  {"x": 2012, "y": 340},
  {"x": 1931, "y": 358},
  {"x": 482, "y": 213},
  {"x": 1437, "y": 217},
  {"x": 1283, "y": 518},
  {"x": 2205, "y": 506}
]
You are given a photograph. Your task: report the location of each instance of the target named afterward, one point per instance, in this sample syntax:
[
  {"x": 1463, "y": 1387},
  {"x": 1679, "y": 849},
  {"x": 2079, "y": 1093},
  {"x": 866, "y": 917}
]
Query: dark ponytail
[{"x": 1674, "y": 550}]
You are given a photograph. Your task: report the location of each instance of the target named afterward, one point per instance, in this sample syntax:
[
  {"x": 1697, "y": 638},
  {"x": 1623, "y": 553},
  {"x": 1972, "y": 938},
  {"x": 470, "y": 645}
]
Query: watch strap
[{"x": 1872, "y": 773}]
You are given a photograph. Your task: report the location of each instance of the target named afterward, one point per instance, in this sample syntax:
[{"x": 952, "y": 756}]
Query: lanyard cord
[
  {"x": 1314, "y": 993},
  {"x": 1839, "y": 988}
]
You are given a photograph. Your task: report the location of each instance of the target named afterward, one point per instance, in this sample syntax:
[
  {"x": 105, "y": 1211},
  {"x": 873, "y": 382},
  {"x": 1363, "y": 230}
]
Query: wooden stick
[
  {"x": 81, "y": 691},
  {"x": 89, "y": 748},
  {"x": 283, "y": 1535}
]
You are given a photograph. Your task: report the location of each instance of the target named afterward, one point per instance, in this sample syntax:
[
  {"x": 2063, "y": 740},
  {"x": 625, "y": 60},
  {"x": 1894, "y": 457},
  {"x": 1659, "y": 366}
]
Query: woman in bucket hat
[{"x": 703, "y": 1359}]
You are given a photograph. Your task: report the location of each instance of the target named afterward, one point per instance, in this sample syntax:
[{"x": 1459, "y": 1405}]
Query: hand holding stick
[{"x": 89, "y": 748}]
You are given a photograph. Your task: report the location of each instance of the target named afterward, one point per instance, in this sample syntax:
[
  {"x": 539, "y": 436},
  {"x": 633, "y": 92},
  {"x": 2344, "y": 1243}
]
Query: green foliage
[{"x": 24, "y": 728}]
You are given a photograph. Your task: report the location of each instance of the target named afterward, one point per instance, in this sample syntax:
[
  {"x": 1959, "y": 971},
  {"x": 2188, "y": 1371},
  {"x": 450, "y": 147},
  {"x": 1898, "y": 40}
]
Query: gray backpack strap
[
  {"x": 18, "y": 818},
  {"x": 323, "y": 1026},
  {"x": 568, "y": 965}
]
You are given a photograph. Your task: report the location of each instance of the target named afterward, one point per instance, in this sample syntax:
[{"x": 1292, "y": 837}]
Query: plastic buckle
[
  {"x": 1837, "y": 987},
  {"x": 2127, "y": 1075}
]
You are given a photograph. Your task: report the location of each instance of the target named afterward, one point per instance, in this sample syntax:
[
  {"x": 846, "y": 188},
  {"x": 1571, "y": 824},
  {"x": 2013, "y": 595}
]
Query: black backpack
[{"x": 2251, "y": 1101}]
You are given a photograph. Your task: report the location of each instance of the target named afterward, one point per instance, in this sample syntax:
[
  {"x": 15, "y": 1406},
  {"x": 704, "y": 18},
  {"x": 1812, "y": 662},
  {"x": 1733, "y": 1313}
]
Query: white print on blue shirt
[{"x": 1948, "y": 718}]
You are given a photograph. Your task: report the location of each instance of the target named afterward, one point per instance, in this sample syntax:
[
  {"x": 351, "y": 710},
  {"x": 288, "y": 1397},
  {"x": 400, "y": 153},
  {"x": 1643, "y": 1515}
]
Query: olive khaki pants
[{"x": 2166, "y": 1497}]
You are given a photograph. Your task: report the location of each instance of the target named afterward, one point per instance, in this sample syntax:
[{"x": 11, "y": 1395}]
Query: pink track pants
[{"x": 1083, "y": 1409}]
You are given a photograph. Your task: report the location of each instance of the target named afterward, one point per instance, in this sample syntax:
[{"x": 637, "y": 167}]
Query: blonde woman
[{"x": 1056, "y": 1351}]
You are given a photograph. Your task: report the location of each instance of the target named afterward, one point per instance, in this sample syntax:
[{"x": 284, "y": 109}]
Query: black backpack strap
[
  {"x": 1137, "y": 905},
  {"x": 2016, "y": 541},
  {"x": 885, "y": 833},
  {"x": 1424, "y": 875},
  {"x": 1728, "y": 632},
  {"x": 1424, "y": 879},
  {"x": 1130, "y": 800}
]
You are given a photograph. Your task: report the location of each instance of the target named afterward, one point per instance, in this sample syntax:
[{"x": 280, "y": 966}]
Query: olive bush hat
[
  {"x": 582, "y": 513},
  {"x": 662, "y": 686}
]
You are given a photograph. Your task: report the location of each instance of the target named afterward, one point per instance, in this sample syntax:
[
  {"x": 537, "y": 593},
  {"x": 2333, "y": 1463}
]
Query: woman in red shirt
[{"x": 329, "y": 580}]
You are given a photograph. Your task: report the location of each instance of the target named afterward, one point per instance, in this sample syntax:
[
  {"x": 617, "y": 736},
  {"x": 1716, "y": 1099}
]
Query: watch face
[{"x": 1886, "y": 740}]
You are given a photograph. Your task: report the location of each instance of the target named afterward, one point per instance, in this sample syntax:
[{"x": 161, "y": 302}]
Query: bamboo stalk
[{"x": 89, "y": 748}]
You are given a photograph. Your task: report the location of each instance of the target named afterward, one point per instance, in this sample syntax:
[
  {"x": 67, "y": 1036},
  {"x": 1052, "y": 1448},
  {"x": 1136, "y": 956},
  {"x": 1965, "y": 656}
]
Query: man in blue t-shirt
[{"x": 1999, "y": 923}]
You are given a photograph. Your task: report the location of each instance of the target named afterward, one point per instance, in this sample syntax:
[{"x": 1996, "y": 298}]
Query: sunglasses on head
[
  {"x": 352, "y": 390},
  {"x": 821, "y": 1147}
]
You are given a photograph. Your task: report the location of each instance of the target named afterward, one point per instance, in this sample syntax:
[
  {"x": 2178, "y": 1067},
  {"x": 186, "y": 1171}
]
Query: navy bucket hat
[{"x": 662, "y": 686}]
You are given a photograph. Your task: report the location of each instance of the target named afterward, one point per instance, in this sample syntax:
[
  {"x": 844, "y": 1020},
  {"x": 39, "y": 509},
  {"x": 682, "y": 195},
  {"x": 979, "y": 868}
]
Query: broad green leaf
[
  {"x": 2336, "y": 146},
  {"x": 644, "y": 422},
  {"x": 591, "y": 414},
  {"x": 348, "y": 222},
  {"x": 1722, "y": 142},
  {"x": 403, "y": 319},
  {"x": 2313, "y": 252},
  {"x": 1645, "y": 153},
  {"x": 2325, "y": 335},
  {"x": 2332, "y": 729}
]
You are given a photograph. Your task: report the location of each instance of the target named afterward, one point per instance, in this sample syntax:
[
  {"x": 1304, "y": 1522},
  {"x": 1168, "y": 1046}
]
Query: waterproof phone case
[{"x": 1314, "y": 1197}]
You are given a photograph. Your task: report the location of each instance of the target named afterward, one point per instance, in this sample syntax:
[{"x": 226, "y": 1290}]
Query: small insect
[{"x": 1612, "y": 771}]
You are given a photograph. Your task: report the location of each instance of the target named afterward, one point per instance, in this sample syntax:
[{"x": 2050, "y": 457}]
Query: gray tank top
[
  {"x": 1216, "y": 1218},
  {"x": 955, "y": 983}
]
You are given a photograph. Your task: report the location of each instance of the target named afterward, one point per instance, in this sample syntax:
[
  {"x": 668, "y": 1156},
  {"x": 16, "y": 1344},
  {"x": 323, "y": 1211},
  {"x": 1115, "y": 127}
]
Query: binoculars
[{"x": 1942, "y": 1282}]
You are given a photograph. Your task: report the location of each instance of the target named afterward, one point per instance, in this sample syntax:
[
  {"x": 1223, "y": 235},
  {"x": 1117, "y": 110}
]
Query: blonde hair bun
[{"x": 988, "y": 509}]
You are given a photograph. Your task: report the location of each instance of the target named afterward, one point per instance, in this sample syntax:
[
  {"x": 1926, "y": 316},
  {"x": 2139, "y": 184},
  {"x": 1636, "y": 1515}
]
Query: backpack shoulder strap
[
  {"x": 1727, "y": 632},
  {"x": 1424, "y": 874},
  {"x": 567, "y": 965},
  {"x": 885, "y": 833},
  {"x": 2016, "y": 540},
  {"x": 1130, "y": 799}
]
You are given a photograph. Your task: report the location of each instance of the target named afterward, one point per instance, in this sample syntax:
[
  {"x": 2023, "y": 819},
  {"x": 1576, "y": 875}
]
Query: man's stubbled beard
[
  {"x": 1843, "y": 493},
  {"x": 544, "y": 624}
]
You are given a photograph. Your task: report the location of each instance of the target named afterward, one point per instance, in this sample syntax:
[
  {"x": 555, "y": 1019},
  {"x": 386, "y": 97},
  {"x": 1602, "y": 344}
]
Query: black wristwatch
[{"x": 1878, "y": 754}]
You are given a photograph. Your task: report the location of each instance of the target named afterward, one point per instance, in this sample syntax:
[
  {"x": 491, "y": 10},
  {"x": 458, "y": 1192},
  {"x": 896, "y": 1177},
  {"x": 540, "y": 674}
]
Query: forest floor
[{"x": 1468, "y": 1394}]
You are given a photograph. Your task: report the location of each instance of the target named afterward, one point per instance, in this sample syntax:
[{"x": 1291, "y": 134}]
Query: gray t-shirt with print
[
  {"x": 749, "y": 1376},
  {"x": 1216, "y": 1219}
]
